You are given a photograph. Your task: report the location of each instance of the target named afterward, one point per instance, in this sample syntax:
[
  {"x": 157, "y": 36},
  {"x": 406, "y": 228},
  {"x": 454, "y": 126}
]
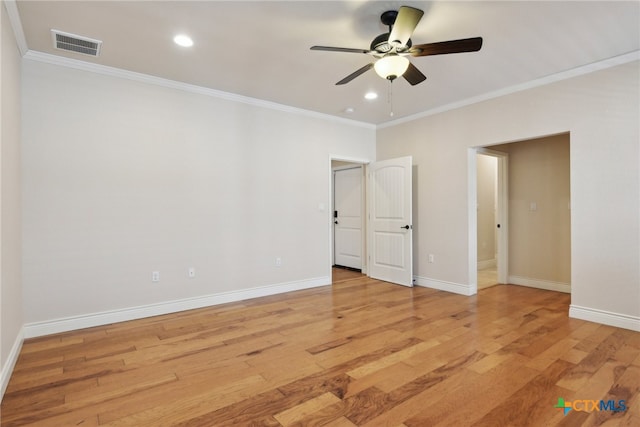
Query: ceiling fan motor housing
[{"x": 381, "y": 44}]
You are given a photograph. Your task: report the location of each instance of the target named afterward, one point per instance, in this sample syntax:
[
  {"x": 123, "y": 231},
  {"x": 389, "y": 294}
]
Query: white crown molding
[
  {"x": 605, "y": 317},
  {"x": 159, "y": 81},
  {"x": 186, "y": 87},
  {"x": 16, "y": 25},
  {"x": 48, "y": 327},
  {"x": 564, "y": 75}
]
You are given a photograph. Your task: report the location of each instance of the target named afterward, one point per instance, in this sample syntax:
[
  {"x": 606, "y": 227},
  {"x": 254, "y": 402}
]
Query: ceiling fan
[{"x": 391, "y": 49}]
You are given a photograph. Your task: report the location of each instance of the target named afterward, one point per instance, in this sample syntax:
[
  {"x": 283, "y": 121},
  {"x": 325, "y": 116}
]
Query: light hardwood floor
[
  {"x": 487, "y": 277},
  {"x": 360, "y": 352}
]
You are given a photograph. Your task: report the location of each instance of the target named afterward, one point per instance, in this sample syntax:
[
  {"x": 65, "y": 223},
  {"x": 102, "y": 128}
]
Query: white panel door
[
  {"x": 390, "y": 221},
  {"x": 347, "y": 195}
]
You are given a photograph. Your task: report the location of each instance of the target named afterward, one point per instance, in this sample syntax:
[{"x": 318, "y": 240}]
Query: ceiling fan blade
[
  {"x": 339, "y": 49},
  {"x": 406, "y": 22},
  {"x": 452, "y": 46},
  {"x": 413, "y": 75},
  {"x": 355, "y": 74}
]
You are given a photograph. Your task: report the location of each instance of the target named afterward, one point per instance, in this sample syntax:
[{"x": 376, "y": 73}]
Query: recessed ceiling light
[
  {"x": 183, "y": 40},
  {"x": 370, "y": 96}
]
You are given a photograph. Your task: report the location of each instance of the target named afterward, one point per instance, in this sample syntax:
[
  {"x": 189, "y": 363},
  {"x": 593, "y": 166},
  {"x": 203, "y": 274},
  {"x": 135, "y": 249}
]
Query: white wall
[
  {"x": 11, "y": 316},
  {"x": 122, "y": 178},
  {"x": 601, "y": 112}
]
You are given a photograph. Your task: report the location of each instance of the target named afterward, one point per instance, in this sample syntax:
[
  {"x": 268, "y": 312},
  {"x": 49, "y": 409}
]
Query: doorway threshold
[{"x": 342, "y": 267}]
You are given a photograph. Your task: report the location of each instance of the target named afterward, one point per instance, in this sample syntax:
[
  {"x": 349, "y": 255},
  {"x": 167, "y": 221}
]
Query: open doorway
[
  {"x": 348, "y": 224},
  {"x": 348, "y": 217},
  {"x": 385, "y": 212},
  {"x": 537, "y": 222}
]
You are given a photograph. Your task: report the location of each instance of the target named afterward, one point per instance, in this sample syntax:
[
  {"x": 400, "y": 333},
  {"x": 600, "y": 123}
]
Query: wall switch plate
[
  {"x": 432, "y": 258},
  {"x": 155, "y": 276},
  {"x": 191, "y": 273},
  {"x": 278, "y": 262}
]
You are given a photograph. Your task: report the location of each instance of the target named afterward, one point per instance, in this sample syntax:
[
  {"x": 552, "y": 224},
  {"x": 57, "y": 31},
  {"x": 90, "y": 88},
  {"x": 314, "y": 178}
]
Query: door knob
[
  {"x": 406, "y": 227},
  {"x": 335, "y": 222}
]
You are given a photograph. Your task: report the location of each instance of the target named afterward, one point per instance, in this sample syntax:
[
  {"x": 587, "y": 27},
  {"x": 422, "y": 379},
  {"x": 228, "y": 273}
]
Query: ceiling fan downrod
[{"x": 388, "y": 18}]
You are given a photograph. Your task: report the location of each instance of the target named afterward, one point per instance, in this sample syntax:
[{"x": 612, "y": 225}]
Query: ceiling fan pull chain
[{"x": 390, "y": 96}]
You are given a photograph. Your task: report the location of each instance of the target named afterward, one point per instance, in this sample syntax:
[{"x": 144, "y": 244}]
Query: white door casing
[
  {"x": 390, "y": 221},
  {"x": 348, "y": 222}
]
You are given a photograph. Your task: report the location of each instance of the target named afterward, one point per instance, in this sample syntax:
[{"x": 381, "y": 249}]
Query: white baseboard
[
  {"x": 489, "y": 263},
  {"x": 605, "y": 317},
  {"x": 12, "y": 358},
  {"x": 441, "y": 285},
  {"x": 540, "y": 284},
  {"x": 104, "y": 318}
]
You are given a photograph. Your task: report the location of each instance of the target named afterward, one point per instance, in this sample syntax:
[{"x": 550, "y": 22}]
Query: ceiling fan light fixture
[{"x": 391, "y": 66}]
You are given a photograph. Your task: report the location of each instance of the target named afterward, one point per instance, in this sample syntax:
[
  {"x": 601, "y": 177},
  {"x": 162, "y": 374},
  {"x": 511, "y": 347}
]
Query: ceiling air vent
[{"x": 75, "y": 43}]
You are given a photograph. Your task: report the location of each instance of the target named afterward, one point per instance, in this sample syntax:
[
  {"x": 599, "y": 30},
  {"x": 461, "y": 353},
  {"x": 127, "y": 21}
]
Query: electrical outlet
[
  {"x": 278, "y": 262},
  {"x": 191, "y": 273},
  {"x": 155, "y": 276}
]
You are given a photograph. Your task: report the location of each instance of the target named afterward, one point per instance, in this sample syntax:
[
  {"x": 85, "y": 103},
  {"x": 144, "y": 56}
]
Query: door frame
[
  {"x": 502, "y": 214},
  {"x": 356, "y": 162}
]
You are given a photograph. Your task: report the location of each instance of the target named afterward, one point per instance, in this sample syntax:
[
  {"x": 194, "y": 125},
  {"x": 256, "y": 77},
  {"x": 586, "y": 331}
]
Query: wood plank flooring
[
  {"x": 487, "y": 277},
  {"x": 358, "y": 353}
]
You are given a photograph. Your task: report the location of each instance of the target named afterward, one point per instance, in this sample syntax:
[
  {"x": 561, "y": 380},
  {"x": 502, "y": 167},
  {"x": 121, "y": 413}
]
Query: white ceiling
[{"x": 260, "y": 49}]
